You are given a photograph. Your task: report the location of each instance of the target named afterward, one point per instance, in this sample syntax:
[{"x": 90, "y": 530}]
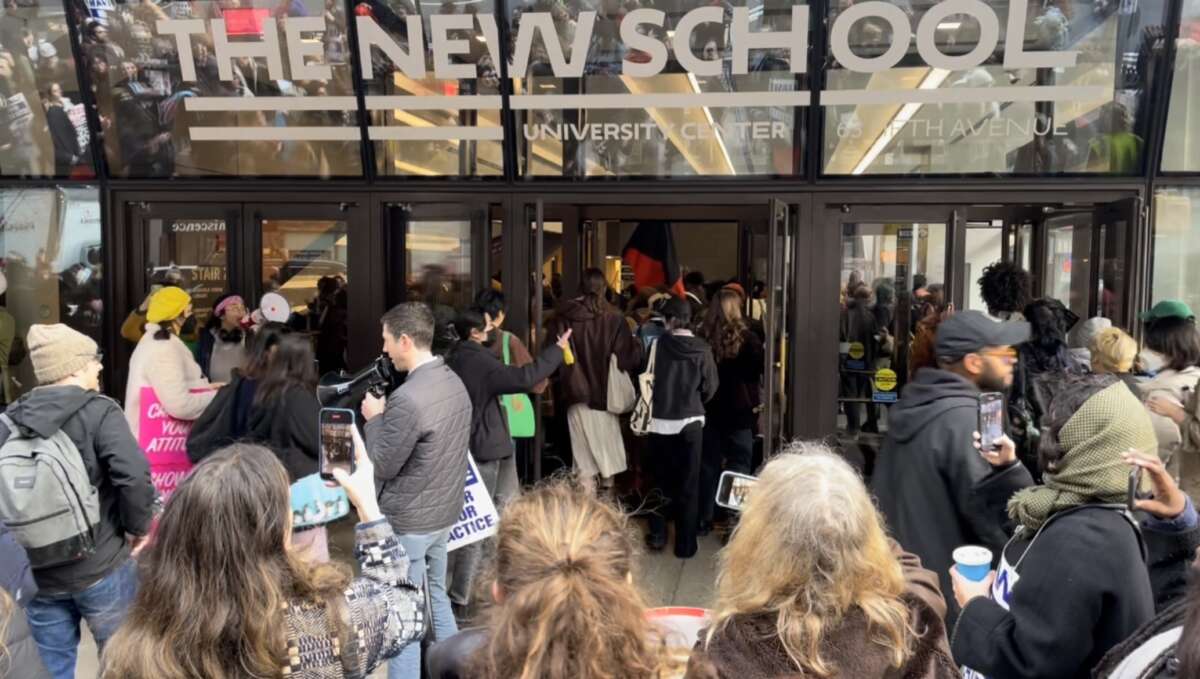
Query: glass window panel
[
  {"x": 438, "y": 262},
  {"x": 192, "y": 253},
  {"x": 875, "y": 125},
  {"x": 51, "y": 272},
  {"x": 413, "y": 136},
  {"x": 305, "y": 260},
  {"x": 43, "y": 122},
  {"x": 676, "y": 122},
  {"x": 1177, "y": 245},
  {"x": 1069, "y": 261},
  {"x": 985, "y": 246},
  {"x": 892, "y": 275},
  {"x": 237, "y": 115},
  {"x": 1181, "y": 153}
]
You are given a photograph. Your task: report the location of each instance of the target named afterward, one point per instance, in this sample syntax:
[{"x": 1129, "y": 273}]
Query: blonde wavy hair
[
  {"x": 810, "y": 517},
  {"x": 568, "y": 607},
  {"x": 1113, "y": 351}
]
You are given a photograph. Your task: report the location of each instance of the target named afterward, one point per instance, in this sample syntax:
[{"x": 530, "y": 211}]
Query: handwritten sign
[{"x": 479, "y": 519}]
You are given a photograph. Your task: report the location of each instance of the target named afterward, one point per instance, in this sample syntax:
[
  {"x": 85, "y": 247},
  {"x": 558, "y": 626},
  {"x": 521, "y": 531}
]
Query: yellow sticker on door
[
  {"x": 885, "y": 379},
  {"x": 857, "y": 350}
]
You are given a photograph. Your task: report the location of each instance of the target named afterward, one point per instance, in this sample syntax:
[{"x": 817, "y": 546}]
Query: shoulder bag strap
[
  {"x": 507, "y": 359},
  {"x": 653, "y": 353}
]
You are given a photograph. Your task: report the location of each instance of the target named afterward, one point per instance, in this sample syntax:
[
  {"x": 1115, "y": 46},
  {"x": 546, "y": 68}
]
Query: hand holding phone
[
  {"x": 733, "y": 490},
  {"x": 337, "y": 442},
  {"x": 1166, "y": 501},
  {"x": 991, "y": 420},
  {"x": 360, "y": 485}
]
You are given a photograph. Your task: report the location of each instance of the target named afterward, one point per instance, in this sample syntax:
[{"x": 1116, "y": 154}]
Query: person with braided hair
[{"x": 565, "y": 604}]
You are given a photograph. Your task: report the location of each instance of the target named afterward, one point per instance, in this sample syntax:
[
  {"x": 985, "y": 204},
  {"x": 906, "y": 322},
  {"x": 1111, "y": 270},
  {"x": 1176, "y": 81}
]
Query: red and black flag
[{"x": 650, "y": 252}]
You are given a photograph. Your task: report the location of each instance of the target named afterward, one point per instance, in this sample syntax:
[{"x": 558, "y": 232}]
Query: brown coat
[
  {"x": 750, "y": 648},
  {"x": 594, "y": 338},
  {"x": 519, "y": 355}
]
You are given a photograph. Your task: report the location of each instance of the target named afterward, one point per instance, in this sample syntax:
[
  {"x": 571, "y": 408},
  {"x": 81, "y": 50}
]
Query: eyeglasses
[{"x": 1005, "y": 354}]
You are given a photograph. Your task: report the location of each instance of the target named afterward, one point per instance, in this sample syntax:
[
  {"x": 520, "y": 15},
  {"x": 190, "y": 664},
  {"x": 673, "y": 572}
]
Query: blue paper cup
[{"x": 973, "y": 562}]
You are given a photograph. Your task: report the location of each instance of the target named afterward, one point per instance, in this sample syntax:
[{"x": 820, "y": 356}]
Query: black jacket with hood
[
  {"x": 685, "y": 377},
  {"x": 928, "y": 476},
  {"x": 115, "y": 464},
  {"x": 486, "y": 379}
]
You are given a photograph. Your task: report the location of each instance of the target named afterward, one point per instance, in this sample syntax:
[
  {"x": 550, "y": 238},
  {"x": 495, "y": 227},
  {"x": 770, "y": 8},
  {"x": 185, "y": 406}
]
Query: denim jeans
[
  {"x": 427, "y": 552},
  {"x": 500, "y": 479},
  {"x": 54, "y": 618}
]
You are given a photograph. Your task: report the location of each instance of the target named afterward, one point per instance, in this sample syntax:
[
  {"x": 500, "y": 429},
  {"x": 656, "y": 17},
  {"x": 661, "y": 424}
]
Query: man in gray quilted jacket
[{"x": 417, "y": 439}]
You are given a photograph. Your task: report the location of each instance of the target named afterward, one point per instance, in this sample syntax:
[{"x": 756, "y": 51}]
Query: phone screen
[
  {"x": 337, "y": 441},
  {"x": 733, "y": 490},
  {"x": 1135, "y": 484},
  {"x": 991, "y": 419}
]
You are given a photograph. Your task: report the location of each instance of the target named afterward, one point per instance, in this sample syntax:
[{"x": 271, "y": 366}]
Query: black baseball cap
[{"x": 967, "y": 332}]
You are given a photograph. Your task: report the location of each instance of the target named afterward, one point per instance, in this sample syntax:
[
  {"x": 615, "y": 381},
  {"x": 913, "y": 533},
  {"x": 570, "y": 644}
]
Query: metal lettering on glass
[{"x": 447, "y": 46}]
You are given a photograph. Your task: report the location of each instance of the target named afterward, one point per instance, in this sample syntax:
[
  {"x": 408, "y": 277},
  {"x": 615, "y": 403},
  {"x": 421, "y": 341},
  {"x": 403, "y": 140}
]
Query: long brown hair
[
  {"x": 289, "y": 365},
  {"x": 594, "y": 288},
  {"x": 810, "y": 550},
  {"x": 569, "y": 609},
  {"x": 724, "y": 327},
  {"x": 214, "y": 585}
]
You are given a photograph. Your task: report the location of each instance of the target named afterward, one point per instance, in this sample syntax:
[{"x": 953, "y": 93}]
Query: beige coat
[
  {"x": 169, "y": 367},
  {"x": 1170, "y": 384}
]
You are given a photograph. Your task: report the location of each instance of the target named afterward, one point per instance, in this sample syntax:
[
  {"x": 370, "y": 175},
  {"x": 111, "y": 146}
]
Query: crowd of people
[{"x": 1093, "y": 543}]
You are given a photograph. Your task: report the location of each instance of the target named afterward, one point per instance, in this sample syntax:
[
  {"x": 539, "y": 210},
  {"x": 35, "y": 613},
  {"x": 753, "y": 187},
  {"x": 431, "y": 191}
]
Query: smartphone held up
[
  {"x": 733, "y": 490},
  {"x": 991, "y": 420},
  {"x": 337, "y": 442}
]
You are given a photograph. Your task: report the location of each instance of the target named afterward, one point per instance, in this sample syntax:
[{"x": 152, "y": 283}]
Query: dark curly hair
[{"x": 1005, "y": 287}]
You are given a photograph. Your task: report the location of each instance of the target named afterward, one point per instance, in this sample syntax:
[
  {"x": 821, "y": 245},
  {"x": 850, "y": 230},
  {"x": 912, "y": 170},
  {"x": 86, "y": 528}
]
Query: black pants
[
  {"x": 675, "y": 461},
  {"x": 726, "y": 448}
]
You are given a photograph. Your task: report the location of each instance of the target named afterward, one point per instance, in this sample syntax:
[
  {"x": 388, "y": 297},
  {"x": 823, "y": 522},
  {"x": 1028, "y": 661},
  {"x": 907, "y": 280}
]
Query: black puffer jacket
[
  {"x": 115, "y": 465},
  {"x": 486, "y": 379}
]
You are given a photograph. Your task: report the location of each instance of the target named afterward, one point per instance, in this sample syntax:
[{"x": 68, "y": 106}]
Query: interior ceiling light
[{"x": 933, "y": 80}]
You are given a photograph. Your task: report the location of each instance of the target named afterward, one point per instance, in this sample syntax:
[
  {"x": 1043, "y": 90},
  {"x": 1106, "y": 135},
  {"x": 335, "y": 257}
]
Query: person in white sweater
[{"x": 162, "y": 361}]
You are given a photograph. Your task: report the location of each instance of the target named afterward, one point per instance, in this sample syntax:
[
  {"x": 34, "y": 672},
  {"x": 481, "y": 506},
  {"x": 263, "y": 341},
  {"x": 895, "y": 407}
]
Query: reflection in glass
[
  {"x": 1181, "y": 153},
  {"x": 438, "y": 262},
  {"x": 51, "y": 272},
  {"x": 192, "y": 254},
  {"x": 1177, "y": 245},
  {"x": 43, "y": 124},
  {"x": 985, "y": 246},
  {"x": 1068, "y": 261},
  {"x": 250, "y": 121},
  {"x": 892, "y": 277},
  {"x": 1099, "y": 130},
  {"x": 305, "y": 260},
  {"x": 666, "y": 137},
  {"x": 412, "y": 136}
]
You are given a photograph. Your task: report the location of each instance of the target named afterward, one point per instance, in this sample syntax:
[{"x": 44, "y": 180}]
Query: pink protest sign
[{"x": 164, "y": 440}]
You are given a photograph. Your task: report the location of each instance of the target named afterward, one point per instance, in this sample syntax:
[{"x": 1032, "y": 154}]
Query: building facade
[{"x": 351, "y": 155}]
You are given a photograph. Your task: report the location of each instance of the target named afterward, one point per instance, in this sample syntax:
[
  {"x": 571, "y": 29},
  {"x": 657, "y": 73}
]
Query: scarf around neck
[{"x": 1109, "y": 423}]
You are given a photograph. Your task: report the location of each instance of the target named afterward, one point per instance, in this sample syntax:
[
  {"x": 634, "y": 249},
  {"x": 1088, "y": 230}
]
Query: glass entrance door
[
  {"x": 307, "y": 254},
  {"x": 192, "y": 246},
  {"x": 896, "y": 277}
]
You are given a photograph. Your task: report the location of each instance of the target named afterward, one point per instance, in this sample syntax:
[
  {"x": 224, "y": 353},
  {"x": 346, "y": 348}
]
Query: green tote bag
[{"x": 521, "y": 421}]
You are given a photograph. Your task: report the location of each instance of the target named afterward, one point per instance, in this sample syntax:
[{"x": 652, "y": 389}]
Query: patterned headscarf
[{"x": 1109, "y": 423}]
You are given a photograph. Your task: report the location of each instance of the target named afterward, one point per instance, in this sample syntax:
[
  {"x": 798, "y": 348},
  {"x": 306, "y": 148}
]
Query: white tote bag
[
  {"x": 643, "y": 412},
  {"x": 621, "y": 394}
]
